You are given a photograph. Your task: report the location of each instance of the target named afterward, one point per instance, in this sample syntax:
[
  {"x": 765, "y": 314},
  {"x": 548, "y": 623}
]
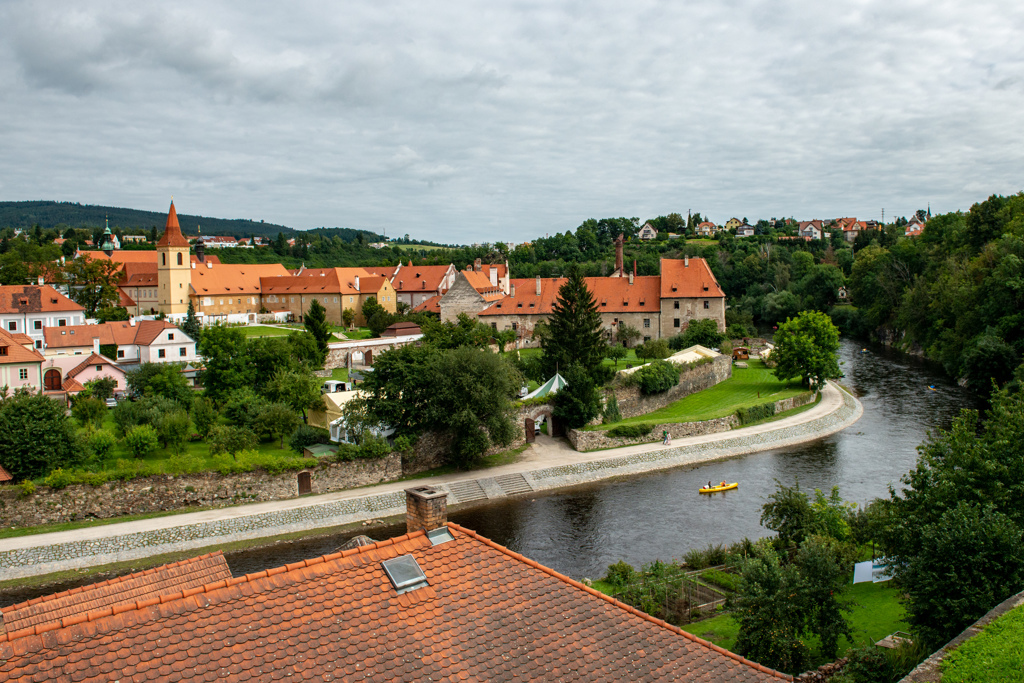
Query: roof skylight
[{"x": 404, "y": 573}]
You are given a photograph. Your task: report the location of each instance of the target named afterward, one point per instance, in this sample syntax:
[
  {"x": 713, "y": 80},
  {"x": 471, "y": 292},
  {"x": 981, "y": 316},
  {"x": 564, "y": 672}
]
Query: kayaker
[
  {"x": 709, "y": 484},
  {"x": 722, "y": 484}
]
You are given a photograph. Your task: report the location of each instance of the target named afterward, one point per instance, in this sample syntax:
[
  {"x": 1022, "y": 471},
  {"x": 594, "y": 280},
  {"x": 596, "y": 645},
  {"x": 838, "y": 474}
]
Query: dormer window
[
  {"x": 531, "y": 305},
  {"x": 519, "y": 305},
  {"x": 3, "y": 350}
]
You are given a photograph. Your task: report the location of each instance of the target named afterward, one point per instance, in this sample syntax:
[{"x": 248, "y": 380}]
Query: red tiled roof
[
  {"x": 526, "y": 300},
  {"x": 172, "y": 236},
  {"x": 124, "y": 590},
  {"x": 16, "y": 353},
  {"x": 22, "y": 338},
  {"x": 616, "y": 295},
  {"x": 317, "y": 281},
  {"x": 419, "y": 278},
  {"x": 137, "y": 256},
  {"x": 431, "y": 305},
  {"x": 93, "y": 359},
  {"x": 34, "y": 299},
  {"x": 5, "y": 476},
  {"x": 233, "y": 279},
  {"x": 119, "y": 332},
  {"x": 486, "y": 614},
  {"x": 372, "y": 284},
  {"x": 692, "y": 281},
  {"x": 71, "y": 385}
]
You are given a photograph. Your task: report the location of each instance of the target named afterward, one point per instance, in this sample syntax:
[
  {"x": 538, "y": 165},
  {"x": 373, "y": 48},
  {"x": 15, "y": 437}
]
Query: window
[
  {"x": 239, "y": 302},
  {"x": 207, "y": 301},
  {"x": 707, "y": 305},
  {"x": 37, "y": 325},
  {"x": 647, "y": 322},
  {"x": 12, "y": 326},
  {"x": 170, "y": 336},
  {"x": 515, "y": 326},
  {"x": 675, "y": 305},
  {"x": 120, "y": 353},
  {"x": 39, "y": 343},
  {"x": 179, "y": 258},
  {"x": 647, "y": 339},
  {"x": 675, "y": 323},
  {"x": 3, "y": 350},
  {"x": 161, "y": 353},
  {"x": 99, "y": 368},
  {"x": 182, "y": 352},
  {"x": 163, "y": 259},
  {"x": 494, "y": 326},
  {"x": 23, "y": 374},
  {"x": 62, "y": 323}
]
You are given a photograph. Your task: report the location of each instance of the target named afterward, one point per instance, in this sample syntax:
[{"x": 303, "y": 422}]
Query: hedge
[
  {"x": 631, "y": 431},
  {"x": 756, "y": 413}
]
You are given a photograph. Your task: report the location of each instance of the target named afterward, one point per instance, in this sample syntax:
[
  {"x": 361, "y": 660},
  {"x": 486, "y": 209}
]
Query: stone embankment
[
  {"x": 93, "y": 546},
  {"x": 598, "y": 440},
  {"x": 632, "y": 403}
]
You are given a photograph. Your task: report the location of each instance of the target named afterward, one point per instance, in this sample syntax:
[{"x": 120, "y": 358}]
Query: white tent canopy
[{"x": 549, "y": 387}]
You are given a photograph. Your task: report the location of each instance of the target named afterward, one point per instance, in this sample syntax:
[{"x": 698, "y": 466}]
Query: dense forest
[{"x": 62, "y": 215}]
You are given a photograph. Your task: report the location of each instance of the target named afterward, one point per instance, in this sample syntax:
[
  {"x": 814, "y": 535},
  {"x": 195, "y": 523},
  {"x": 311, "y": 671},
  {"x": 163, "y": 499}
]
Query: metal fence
[{"x": 678, "y": 599}]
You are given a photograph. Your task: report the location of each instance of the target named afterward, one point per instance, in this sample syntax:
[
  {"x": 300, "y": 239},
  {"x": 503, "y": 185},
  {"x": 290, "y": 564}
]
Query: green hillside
[{"x": 51, "y": 214}]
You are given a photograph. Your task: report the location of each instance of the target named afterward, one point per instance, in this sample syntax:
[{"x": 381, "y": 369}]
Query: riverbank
[{"x": 547, "y": 465}]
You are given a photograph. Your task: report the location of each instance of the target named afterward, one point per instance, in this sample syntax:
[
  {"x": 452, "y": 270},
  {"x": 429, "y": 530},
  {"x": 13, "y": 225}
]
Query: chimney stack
[
  {"x": 477, "y": 266},
  {"x": 425, "y": 508},
  {"x": 538, "y": 285},
  {"x": 513, "y": 290},
  {"x": 631, "y": 278},
  {"x": 618, "y": 254},
  {"x": 357, "y": 283},
  {"x": 686, "y": 262}
]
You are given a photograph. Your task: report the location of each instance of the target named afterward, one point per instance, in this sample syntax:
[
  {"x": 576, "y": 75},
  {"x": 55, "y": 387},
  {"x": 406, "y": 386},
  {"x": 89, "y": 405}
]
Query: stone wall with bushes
[
  {"x": 163, "y": 493},
  {"x": 595, "y": 440},
  {"x": 633, "y": 403}
]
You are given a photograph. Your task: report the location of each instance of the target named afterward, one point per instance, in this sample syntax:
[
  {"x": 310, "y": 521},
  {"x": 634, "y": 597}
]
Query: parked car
[{"x": 111, "y": 402}]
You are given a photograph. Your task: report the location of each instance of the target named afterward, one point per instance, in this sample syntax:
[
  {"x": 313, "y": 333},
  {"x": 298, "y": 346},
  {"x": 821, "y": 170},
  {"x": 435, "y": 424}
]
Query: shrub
[
  {"x": 657, "y": 377},
  {"x": 184, "y": 464},
  {"x": 305, "y": 435},
  {"x": 89, "y": 411},
  {"x": 755, "y": 413},
  {"x": 711, "y": 556},
  {"x": 231, "y": 440},
  {"x": 101, "y": 443},
  {"x": 866, "y": 664},
  {"x": 620, "y": 574},
  {"x": 59, "y": 479},
  {"x": 611, "y": 411},
  {"x": 204, "y": 415},
  {"x": 715, "y": 577},
  {"x": 653, "y": 349},
  {"x": 631, "y": 431},
  {"x": 725, "y": 348},
  {"x": 141, "y": 440},
  {"x": 173, "y": 429},
  {"x": 27, "y": 489},
  {"x": 403, "y": 444},
  {"x": 704, "y": 332}
]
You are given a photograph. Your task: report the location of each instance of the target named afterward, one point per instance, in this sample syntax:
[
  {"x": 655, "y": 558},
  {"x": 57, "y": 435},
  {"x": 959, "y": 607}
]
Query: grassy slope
[
  {"x": 876, "y": 614},
  {"x": 747, "y": 387},
  {"x": 996, "y": 654}
]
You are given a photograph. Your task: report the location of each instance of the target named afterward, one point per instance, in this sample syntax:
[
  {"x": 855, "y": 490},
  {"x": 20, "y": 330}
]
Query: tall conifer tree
[
  {"x": 317, "y": 325},
  {"x": 191, "y": 325},
  {"x": 575, "y": 326}
]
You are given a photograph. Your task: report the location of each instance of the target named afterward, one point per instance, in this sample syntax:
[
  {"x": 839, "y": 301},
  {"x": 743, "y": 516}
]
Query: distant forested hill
[{"x": 52, "y": 214}]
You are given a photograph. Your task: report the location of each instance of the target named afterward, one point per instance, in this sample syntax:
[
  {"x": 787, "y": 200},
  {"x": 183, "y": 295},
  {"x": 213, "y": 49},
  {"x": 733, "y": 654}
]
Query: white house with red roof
[
  {"x": 137, "y": 341},
  {"x": 29, "y": 309},
  {"x": 20, "y": 363}
]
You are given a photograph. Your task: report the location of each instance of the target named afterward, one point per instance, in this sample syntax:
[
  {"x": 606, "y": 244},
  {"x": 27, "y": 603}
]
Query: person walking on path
[{"x": 667, "y": 441}]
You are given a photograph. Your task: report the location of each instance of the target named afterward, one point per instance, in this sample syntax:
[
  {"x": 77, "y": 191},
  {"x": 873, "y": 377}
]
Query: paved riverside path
[{"x": 547, "y": 464}]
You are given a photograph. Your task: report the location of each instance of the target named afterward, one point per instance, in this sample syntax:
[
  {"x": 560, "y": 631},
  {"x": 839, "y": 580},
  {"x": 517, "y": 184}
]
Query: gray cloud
[{"x": 467, "y": 121}]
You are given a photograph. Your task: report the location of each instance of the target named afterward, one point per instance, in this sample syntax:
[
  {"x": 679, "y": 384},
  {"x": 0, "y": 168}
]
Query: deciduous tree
[
  {"x": 806, "y": 347},
  {"x": 35, "y": 435}
]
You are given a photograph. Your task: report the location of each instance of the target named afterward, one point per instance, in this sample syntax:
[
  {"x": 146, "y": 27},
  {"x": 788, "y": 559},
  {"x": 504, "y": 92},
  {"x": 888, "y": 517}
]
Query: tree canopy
[
  {"x": 806, "y": 347},
  {"x": 36, "y": 435}
]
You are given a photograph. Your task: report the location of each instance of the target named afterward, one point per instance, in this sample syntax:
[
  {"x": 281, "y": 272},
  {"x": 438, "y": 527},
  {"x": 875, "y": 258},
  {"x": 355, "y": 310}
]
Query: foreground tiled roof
[
  {"x": 16, "y": 352},
  {"x": 487, "y": 614},
  {"x": 124, "y": 590}
]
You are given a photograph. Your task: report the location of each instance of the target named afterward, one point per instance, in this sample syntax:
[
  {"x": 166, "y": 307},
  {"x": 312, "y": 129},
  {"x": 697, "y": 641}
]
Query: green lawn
[
  {"x": 747, "y": 387},
  {"x": 357, "y": 333},
  {"x": 996, "y": 654},
  {"x": 876, "y": 614},
  {"x": 630, "y": 358},
  {"x": 340, "y": 374},
  {"x": 264, "y": 331}
]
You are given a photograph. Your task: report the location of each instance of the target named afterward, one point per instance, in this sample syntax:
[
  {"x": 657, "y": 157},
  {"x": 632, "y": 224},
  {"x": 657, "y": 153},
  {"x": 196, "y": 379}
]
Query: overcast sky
[{"x": 496, "y": 121}]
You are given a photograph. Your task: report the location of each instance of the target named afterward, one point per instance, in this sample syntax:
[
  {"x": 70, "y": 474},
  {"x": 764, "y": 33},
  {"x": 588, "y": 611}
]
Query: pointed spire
[{"x": 172, "y": 236}]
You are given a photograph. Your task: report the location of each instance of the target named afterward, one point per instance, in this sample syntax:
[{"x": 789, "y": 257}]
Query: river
[{"x": 660, "y": 515}]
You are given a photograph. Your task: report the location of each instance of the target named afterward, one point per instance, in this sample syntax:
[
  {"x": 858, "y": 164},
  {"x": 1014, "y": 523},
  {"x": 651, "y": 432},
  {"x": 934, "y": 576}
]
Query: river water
[{"x": 660, "y": 515}]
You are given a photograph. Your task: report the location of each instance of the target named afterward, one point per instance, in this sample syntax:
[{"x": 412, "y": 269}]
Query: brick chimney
[
  {"x": 477, "y": 265},
  {"x": 425, "y": 508},
  {"x": 618, "y": 254}
]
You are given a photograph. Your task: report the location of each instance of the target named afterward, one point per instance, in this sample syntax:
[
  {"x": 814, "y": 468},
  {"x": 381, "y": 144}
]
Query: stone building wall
[
  {"x": 690, "y": 309},
  {"x": 461, "y": 298},
  {"x": 207, "y": 489},
  {"x": 633, "y": 403}
]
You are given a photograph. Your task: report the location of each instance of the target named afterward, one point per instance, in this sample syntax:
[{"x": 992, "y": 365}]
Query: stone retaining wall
[
  {"x": 633, "y": 403},
  {"x": 599, "y": 440},
  {"x": 309, "y": 513},
  {"x": 164, "y": 492}
]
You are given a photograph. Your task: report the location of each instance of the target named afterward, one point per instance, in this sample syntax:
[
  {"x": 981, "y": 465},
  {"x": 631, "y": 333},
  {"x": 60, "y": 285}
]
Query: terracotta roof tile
[
  {"x": 172, "y": 236},
  {"x": 419, "y": 278},
  {"x": 5, "y": 475},
  {"x": 15, "y": 351},
  {"x": 78, "y": 604},
  {"x": 232, "y": 279},
  {"x": 93, "y": 359},
  {"x": 487, "y": 614},
  {"x": 138, "y": 256},
  {"x": 71, "y": 385},
  {"x": 693, "y": 281},
  {"x": 34, "y": 299},
  {"x": 431, "y": 305}
]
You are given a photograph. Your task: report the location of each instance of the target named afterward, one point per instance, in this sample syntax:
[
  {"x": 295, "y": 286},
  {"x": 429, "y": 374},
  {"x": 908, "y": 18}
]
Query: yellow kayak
[{"x": 720, "y": 487}]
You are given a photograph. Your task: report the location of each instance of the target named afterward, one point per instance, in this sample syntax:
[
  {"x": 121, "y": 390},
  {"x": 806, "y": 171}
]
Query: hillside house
[
  {"x": 647, "y": 232},
  {"x": 20, "y": 363}
]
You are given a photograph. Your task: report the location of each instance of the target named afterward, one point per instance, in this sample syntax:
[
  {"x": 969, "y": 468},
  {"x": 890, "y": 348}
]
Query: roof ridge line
[
  {"x": 620, "y": 604},
  {"x": 108, "y": 582},
  {"x": 95, "y": 615}
]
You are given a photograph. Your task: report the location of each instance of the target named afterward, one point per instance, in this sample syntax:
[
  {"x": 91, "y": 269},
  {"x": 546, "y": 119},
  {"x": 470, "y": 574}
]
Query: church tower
[{"x": 174, "y": 267}]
